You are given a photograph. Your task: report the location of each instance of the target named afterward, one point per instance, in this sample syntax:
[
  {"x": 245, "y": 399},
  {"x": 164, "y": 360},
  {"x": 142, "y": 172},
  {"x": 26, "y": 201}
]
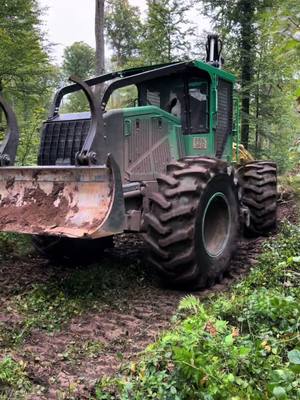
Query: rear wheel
[
  {"x": 193, "y": 222},
  {"x": 258, "y": 192},
  {"x": 62, "y": 249}
]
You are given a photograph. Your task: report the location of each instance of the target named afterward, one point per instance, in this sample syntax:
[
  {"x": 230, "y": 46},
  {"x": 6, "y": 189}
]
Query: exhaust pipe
[{"x": 214, "y": 47}]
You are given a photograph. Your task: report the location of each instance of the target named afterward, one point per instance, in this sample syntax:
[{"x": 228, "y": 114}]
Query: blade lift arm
[{"x": 93, "y": 151}]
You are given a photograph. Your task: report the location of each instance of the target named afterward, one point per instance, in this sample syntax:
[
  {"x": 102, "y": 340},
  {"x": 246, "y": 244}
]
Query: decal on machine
[{"x": 200, "y": 143}]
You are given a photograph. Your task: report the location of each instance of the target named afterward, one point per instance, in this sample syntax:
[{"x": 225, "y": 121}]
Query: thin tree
[{"x": 99, "y": 37}]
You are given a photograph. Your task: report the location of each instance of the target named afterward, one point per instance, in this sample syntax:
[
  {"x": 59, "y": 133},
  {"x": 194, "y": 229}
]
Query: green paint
[
  {"x": 150, "y": 112},
  {"x": 237, "y": 126},
  {"x": 227, "y": 154},
  {"x": 215, "y": 71},
  {"x": 202, "y": 144},
  {"x": 189, "y": 144}
]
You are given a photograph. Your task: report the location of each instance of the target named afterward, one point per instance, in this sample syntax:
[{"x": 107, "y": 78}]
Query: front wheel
[{"x": 193, "y": 222}]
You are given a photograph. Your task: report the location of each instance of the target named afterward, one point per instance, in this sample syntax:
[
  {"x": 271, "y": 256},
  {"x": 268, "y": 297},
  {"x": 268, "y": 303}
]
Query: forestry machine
[{"x": 152, "y": 155}]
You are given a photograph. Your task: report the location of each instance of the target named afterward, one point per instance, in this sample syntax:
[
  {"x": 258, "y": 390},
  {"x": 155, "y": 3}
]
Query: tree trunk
[
  {"x": 257, "y": 114},
  {"x": 100, "y": 46},
  {"x": 247, "y": 9},
  {"x": 99, "y": 36},
  {"x": 1, "y": 111}
]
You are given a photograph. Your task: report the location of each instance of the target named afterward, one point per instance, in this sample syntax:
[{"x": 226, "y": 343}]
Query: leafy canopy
[
  {"x": 21, "y": 48},
  {"x": 124, "y": 29},
  {"x": 79, "y": 59},
  {"x": 167, "y": 35}
]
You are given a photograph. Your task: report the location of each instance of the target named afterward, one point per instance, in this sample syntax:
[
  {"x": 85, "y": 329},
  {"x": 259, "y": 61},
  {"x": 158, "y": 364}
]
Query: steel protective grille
[
  {"x": 224, "y": 127},
  {"x": 61, "y": 141},
  {"x": 147, "y": 149}
]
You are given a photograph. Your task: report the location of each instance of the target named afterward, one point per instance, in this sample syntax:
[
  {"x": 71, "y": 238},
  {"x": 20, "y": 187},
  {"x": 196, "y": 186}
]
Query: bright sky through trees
[{"x": 69, "y": 21}]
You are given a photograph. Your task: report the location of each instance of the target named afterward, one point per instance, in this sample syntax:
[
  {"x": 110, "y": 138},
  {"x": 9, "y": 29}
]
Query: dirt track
[{"x": 60, "y": 364}]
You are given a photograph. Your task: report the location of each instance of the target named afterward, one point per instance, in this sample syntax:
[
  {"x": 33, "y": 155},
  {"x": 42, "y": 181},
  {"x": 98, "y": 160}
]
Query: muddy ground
[{"x": 72, "y": 325}]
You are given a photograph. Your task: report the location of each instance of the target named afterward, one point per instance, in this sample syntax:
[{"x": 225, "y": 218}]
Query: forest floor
[{"x": 63, "y": 328}]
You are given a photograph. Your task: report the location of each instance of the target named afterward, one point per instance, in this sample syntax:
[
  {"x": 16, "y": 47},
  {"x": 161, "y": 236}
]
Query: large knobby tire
[
  {"x": 62, "y": 249},
  {"x": 193, "y": 222},
  {"x": 258, "y": 192}
]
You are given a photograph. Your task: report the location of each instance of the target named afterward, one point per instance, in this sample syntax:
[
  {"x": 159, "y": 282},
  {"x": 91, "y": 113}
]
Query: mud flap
[{"x": 76, "y": 202}]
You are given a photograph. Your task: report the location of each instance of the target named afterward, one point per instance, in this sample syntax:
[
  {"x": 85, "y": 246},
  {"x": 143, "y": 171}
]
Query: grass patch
[
  {"x": 289, "y": 186},
  {"x": 50, "y": 306},
  {"x": 14, "y": 383},
  {"x": 244, "y": 344},
  {"x": 13, "y": 245},
  {"x": 89, "y": 349},
  {"x": 295, "y": 183}
]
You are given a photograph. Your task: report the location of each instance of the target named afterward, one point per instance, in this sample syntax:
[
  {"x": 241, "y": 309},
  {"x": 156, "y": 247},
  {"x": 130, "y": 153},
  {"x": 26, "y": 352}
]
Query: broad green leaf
[
  {"x": 244, "y": 351},
  {"x": 228, "y": 340},
  {"x": 279, "y": 392},
  {"x": 294, "y": 356}
]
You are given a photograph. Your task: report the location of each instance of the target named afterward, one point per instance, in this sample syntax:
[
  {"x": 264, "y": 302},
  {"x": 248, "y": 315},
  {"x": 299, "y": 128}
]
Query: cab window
[
  {"x": 198, "y": 106},
  {"x": 123, "y": 97}
]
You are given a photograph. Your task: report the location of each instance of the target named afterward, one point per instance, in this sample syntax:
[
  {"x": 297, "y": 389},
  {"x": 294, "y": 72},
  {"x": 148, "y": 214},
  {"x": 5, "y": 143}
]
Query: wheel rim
[{"x": 216, "y": 225}]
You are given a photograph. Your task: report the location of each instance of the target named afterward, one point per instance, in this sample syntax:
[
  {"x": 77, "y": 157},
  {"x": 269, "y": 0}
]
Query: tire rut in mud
[{"x": 123, "y": 328}]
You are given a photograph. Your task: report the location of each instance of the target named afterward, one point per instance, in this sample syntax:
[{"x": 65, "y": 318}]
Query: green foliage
[
  {"x": 22, "y": 55},
  {"x": 14, "y": 245},
  {"x": 167, "y": 35},
  {"x": 89, "y": 349},
  {"x": 79, "y": 60},
  {"x": 294, "y": 152},
  {"x": 124, "y": 29},
  {"x": 286, "y": 21},
  {"x": 25, "y": 72},
  {"x": 239, "y": 345},
  {"x": 51, "y": 306},
  {"x": 12, "y": 378},
  {"x": 30, "y": 139},
  {"x": 75, "y": 102},
  {"x": 26, "y": 76}
]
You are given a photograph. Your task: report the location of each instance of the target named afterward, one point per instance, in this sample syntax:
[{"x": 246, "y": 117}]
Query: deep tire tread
[
  {"x": 258, "y": 182},
  {"x": 173, "y": 208}
]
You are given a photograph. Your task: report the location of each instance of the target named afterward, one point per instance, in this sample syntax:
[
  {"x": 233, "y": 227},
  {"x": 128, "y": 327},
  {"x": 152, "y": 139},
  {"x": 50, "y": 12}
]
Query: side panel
[
  {"x": 152, "y": 140},
  {"x": 142, "y": 140},
  {"x": 224, "y": 128}
]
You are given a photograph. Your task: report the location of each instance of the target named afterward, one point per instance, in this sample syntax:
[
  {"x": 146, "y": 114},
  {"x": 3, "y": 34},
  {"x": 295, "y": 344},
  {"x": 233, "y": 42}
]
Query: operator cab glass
[
  {"x": 166, "y": 93},
  {"x": 198, "y": 106},
  {"x": 123, "y": 97},
  {"x": 185, "y": 97}
]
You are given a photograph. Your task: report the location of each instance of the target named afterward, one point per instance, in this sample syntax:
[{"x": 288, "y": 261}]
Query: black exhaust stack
[{"x": 213, "y": 51}]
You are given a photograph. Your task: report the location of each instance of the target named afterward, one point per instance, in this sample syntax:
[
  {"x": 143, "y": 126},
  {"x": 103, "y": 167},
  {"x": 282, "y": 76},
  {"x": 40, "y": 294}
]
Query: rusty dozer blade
[
  {"x": 82, "y": 201},
  {"x": 77, "y": 202}
]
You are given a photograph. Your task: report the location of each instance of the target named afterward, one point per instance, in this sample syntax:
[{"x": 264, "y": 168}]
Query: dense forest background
[{"x": 261, "y": 46}]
